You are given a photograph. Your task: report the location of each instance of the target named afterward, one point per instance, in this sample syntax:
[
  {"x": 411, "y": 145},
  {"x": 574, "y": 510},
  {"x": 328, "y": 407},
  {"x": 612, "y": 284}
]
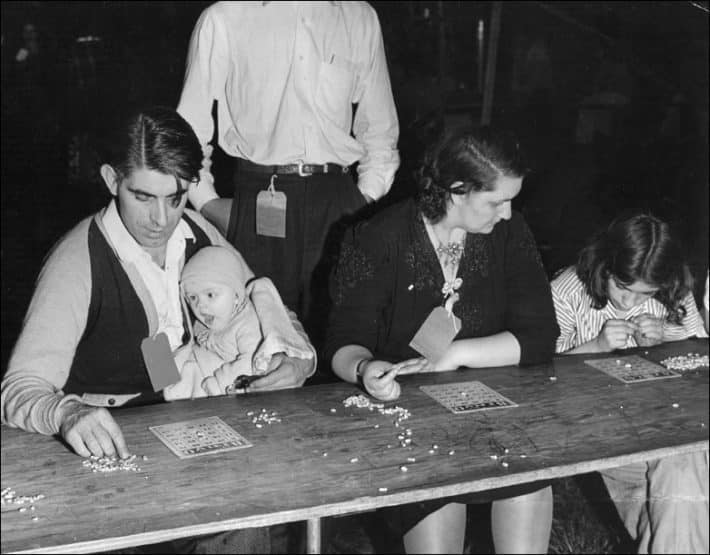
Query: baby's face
[{"x": 212, "y": 303}]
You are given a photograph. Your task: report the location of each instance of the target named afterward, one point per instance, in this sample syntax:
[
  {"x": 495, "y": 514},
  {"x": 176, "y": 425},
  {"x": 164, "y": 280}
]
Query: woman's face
[
  {"x": 480, "y": 211},
  {"x": 625, "y": 297}
]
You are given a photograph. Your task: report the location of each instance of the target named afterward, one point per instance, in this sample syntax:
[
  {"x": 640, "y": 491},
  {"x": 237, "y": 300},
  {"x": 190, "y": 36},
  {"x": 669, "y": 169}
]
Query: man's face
[{"x": 150, "y": 206}]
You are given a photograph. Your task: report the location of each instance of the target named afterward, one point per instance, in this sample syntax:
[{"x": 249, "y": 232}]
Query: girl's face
[
  {"x": 480, "y": 211},
  {"x": 625, "y": 297},
  {"x": 212, "y": 303}
]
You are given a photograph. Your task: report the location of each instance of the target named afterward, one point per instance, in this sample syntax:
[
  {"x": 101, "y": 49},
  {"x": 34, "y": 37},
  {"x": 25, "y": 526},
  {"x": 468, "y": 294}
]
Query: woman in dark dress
[{"x": 457, "y": 252}]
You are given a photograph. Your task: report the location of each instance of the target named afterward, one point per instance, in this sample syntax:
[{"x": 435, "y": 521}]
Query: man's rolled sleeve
[
  {"x": 375, "y": 125},
  {"x": 31, "y": 394}
]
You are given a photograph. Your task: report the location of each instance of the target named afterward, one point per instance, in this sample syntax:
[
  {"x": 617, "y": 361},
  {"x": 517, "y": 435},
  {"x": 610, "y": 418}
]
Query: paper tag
[
  {"x": 271, "y": 214},
  {"x": 436, "y": 334},
  {"x": 159, "y": 361}
]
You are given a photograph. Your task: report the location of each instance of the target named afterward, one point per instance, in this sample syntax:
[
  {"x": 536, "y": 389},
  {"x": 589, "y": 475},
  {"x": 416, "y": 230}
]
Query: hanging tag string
[
  {"x": 272, "y": 188},
  {"x": 449, "y": 259},
  {"x": 451, "y": 296}
]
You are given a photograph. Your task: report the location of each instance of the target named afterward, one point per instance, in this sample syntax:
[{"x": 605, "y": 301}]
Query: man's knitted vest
[{"x": 108, "y": 358}]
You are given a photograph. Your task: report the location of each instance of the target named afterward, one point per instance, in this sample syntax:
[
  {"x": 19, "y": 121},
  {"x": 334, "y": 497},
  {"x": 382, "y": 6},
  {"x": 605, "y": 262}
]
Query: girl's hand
[
  {"x": 615, "y": 334},
  {"x": 378, "y": 378},
  {"x": 650, "y": 330}
]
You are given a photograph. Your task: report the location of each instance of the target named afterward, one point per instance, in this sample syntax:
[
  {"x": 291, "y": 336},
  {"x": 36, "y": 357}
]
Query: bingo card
[
  {"x": 201, "y": 436},
  {"x": 632, "y": 368},
  {"x": 463, "y": 397}
]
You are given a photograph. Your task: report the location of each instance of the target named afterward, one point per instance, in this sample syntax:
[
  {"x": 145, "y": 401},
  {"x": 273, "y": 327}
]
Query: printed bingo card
[
  {"x": 463, "y": 397},
  {"x": 201, "y": 436},
  {"x": 632, "y": 368}
]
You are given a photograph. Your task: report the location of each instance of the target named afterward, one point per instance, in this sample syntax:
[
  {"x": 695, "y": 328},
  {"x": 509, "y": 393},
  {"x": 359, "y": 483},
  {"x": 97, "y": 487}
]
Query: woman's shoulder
[{"x": 387, "y": 224}]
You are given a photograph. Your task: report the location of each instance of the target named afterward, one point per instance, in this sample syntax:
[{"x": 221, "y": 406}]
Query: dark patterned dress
[{"x": 388, "y": 279}]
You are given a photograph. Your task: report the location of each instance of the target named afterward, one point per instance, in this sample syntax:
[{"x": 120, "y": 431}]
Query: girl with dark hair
[
  {"x": 460, "y": 257},
  {"x": 631, "y": 287}
]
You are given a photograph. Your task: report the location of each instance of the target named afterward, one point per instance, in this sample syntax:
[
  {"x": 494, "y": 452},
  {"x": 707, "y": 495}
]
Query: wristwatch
[{"x": 360, "y": 368}]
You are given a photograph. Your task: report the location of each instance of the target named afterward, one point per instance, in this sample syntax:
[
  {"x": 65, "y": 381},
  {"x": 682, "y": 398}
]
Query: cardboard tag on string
[
  {"x": 271, "y": 212},
  {"x": 159, "y": 361},
  {"x": 436, "y": 334}
]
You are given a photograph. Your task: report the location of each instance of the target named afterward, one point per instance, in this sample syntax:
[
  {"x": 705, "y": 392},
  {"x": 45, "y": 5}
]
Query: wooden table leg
[{"x": 313, "y": 535}]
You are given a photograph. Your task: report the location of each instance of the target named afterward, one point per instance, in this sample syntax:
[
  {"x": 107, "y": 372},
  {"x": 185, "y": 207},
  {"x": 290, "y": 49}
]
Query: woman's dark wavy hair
[
  {"x": 636, "y": 247},
  {"x": 476, "y": 158},
  {"x": 156, "y": 138}
]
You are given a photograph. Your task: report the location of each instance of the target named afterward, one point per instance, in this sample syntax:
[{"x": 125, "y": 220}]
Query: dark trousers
[{"x": 318, "y": 208}]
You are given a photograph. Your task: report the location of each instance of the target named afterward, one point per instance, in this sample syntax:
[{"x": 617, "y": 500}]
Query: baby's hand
[{"x": 224, "y": 376}]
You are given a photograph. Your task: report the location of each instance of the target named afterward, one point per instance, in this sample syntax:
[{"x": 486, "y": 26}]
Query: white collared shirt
[
  {"x": 285, "y": 76},
  {"x": 163, "y": 285}
]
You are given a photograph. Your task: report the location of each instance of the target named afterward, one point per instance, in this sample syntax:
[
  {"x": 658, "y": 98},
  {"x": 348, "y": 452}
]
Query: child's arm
[
  {"x": 224, "y": 376},
  {"x": 248, "y": 336},
  {"x": 191, "y": 376},
  {"x": 691, "y": 326},
  {"x": 650, "y": 330},
  {"x": 613, "y": 335}
]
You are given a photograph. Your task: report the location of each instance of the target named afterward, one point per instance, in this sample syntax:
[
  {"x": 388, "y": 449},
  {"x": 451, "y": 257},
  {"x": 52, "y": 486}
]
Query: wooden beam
[{"x": 494, "y": 34}]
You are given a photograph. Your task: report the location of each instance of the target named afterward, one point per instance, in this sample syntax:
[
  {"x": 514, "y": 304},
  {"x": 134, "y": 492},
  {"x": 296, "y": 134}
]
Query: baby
[{"x": 228, "y": 325}]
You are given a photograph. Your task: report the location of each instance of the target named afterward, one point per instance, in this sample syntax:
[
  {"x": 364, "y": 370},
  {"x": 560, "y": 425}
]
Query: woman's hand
[
  {"x": 378, "y": 378},
  {"x": 650, "y": 330},
  {"x": 446, "y": 363},
  {"x": 614, "y": 335}
]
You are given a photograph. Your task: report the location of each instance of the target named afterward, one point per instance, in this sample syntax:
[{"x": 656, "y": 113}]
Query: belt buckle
[{"x": 301, "y": 172}]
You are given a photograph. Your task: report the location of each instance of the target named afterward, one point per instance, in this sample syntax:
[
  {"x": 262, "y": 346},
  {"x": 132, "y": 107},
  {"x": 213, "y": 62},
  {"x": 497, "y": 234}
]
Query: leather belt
[{"x": 298, "y": 168}]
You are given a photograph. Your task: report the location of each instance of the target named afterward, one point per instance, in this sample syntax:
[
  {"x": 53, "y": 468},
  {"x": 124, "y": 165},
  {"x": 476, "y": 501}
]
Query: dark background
[{"x": 610, "y": 100}]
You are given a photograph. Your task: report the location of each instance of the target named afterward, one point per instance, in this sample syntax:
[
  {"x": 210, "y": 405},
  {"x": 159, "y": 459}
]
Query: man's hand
[
  {"x": 283, "y": 373},
  {"x": 615, "y": 334},
  {"x": 650, "y": 330},
  {"x": 368, "y": 198},
  {"x": 201, "y": 193},
  {"x": 92, "y": 431}
]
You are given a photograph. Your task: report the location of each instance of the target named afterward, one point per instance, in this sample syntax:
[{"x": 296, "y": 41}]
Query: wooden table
[{"x": 581, "y": 421}]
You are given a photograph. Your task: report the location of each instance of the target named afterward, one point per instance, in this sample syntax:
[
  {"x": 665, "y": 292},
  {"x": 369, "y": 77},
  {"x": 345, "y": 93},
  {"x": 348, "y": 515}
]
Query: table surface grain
[{"x": 326, "y": 459}]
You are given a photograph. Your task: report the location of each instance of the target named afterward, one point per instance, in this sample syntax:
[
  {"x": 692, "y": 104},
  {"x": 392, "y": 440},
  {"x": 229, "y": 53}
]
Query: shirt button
[{"x": 112, "y": 401}]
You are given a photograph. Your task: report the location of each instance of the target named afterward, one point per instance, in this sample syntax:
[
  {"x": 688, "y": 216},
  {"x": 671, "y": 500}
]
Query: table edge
[{"x": 363, "y": 504}]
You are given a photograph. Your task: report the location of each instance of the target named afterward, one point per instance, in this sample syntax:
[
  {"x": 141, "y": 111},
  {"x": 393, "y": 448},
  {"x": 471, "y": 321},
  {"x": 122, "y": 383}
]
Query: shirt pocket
[{"x": 334, "y": 92}]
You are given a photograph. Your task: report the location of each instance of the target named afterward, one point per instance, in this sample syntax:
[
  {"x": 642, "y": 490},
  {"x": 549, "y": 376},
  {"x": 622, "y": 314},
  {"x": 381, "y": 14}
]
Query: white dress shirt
[
  {"x": 285, "y": 76},
  {"x": 162, "y": 284}
]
